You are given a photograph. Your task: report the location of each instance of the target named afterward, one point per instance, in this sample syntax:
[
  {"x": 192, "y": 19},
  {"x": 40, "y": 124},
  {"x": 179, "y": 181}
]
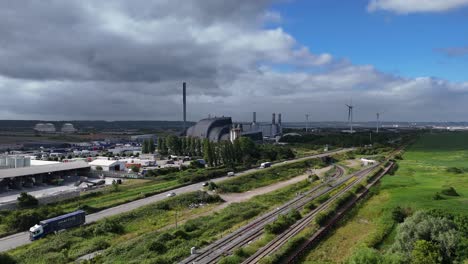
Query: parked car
[
  {"x": 205, "y": 184},
  {"x": 230, "y": 174},
  {"x": 172, "y": 194}
]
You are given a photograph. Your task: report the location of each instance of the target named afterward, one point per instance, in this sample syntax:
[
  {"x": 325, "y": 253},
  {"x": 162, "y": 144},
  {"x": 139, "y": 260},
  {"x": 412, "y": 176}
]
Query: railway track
[
  {"x": 282, "y": 239},
  {"x": 253, "y": 230}
]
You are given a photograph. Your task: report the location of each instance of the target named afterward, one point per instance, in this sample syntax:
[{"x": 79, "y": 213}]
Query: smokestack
[
  {"x": 184, "y": 91},
  {"x": 273, "y": 119},
  {"x": 254, "y": 117},
  {"x": 279, "y": 118}
]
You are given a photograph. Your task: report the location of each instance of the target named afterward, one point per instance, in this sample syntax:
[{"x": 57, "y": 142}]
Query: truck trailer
[{"x": 56, "y": 224}]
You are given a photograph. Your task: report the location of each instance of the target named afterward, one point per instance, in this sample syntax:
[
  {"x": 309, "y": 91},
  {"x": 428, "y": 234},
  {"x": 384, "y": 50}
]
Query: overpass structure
[{"x": 17, "y": 178}]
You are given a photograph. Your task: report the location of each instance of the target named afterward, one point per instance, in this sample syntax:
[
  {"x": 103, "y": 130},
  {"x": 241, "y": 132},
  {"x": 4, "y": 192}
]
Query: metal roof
[
  {"x": 61, "y": 217},
  {"x": 32, "y": 170}
]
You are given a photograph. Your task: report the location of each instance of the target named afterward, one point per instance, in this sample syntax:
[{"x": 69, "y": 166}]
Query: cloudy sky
[{"x": 127, "y": 59}]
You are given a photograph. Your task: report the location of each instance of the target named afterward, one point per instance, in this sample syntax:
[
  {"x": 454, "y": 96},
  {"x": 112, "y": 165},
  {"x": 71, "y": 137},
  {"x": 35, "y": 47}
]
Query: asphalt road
[{"x": 22, "y": 238}]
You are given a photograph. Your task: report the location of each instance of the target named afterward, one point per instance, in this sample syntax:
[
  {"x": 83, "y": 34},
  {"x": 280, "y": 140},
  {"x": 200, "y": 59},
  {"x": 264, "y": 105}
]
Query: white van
[{"x": 230, "y": 174}]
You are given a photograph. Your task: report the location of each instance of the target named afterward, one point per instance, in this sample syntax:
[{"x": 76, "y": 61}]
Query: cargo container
[{"x": 58, "y": 223}]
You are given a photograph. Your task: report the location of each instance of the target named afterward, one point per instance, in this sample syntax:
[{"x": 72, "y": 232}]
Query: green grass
[
  {"x": 421, "y": 174},
  {"x": 197, "y": 232},
  {"x": 268, "y": 176},
  {"x": 67, "y": 246}
]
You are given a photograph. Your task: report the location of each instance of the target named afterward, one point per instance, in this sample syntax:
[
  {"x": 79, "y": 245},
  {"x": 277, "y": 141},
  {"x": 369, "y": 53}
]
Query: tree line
[{"x": 242, "y": 151}]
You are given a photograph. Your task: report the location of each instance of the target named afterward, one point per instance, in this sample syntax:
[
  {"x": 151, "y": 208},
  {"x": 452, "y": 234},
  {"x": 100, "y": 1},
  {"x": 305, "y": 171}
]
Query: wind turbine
[{"x": 350, "y": 116}]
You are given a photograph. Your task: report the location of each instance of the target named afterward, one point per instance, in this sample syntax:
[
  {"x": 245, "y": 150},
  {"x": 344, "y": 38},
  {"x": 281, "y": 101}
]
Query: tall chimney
[
  {"x": 279, "y": 118},
  {"x": 273, "y": 119},
  {"x": 185, "y": 104},
  {"x": 254, "y": 117}
]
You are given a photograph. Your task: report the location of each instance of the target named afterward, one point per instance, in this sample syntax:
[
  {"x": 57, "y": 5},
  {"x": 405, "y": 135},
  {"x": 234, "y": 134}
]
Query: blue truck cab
[{"x": 58, "y": 223}]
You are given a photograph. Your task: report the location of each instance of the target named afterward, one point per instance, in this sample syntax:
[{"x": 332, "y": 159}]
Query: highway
[{"x": 22, "y": 238}]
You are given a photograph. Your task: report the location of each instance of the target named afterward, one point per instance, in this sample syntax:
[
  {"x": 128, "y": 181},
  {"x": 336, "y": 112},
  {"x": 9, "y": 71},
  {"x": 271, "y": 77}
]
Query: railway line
[
  {"x": 253, "y": 230},
  {"x": 282, "y": 239}
]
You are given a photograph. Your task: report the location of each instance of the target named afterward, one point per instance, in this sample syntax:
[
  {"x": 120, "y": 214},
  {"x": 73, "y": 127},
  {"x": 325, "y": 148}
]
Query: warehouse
[{"x": 107, "y": 165}]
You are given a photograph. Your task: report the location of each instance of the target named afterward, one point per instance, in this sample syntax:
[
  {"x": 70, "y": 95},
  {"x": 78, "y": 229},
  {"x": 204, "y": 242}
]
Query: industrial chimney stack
[
  {"x": 273, "y": 119},
  {"x": 254, "y": 117},
  {"x": 185, "y": 104},
  {"x": 279, "y": 119}
]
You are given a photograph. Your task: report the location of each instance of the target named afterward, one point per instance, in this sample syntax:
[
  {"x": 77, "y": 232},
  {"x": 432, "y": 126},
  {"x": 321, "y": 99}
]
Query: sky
[{"x": 127, "y": 59}]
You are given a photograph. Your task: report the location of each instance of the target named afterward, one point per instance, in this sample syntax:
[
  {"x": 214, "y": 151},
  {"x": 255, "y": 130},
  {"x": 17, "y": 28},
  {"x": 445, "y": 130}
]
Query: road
[{"x": 20, "y": 239}]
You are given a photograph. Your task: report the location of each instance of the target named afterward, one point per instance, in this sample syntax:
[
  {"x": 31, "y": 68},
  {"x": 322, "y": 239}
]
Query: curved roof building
[
  {"x": 214, "y": 129},
  {"x": 45, "y": 128},
  {"x": 68, "y": 128}
]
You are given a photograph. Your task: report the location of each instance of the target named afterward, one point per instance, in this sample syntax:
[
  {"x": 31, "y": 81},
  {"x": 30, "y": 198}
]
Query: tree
[
  {"x": 26, "y": 200},
  {"x": 423, "y": 226},
  {"x": 115, "y": 186},
  {"x": 135, "y": 169},
  {"x": 145, "y": 147},
  {"x": 98, "y": 168},
  {"x": 151, "y": 147},
  {"x": 208, "y": 153},
  {"x": 425, "y": 252}
]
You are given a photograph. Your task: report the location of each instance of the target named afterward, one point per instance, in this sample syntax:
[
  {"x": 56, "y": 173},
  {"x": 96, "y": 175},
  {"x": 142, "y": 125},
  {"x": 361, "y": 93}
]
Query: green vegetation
[
  {"x": 26, "y": 200},
  {"x": 283, "y": 222},
  {"x": 268, "y": 176},
  {"x": 427, "y": 170},
  {"x": 143, "y": 241},
  {"x": 67, "y": 246},
  {"x": 242, "y": 151}
]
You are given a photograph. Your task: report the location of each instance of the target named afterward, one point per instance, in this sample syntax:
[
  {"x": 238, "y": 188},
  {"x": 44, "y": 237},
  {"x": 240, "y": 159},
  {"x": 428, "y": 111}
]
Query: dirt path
[{"x": 241, "y": 197}]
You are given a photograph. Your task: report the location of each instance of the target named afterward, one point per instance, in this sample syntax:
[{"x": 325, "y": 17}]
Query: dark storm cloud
[{"x": 122, "y": 59}]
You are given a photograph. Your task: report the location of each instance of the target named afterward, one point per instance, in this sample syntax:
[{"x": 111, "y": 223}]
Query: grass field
[{"x": 422, "y": 173}]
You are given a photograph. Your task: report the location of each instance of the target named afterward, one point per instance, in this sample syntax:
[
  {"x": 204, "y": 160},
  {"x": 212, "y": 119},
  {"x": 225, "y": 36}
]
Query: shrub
[
  {"x": 22, "y": 220},
  {"x": 454, "y": 170},
  {"x": 108, "y": 226},
  {"x": 450, "y": 192},
  {"x": 6, "y": 259},
  {"x": 398, "y": 214},
  {"x": 437, "y": 196},
  {"x": 26, "y": 200},
  {"x": 283, "y": 222},
  {"x": 156, "y": 246}
]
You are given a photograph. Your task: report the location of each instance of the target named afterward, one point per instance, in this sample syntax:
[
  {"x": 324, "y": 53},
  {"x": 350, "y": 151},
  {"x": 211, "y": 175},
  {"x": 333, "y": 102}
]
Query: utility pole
[{"x": 176, "y": 211}]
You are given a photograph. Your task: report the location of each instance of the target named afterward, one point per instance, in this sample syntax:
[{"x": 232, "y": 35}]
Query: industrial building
[
  {"x": 141, "y": 138},
  {"x": 45, "y": 128},
  {"x": 215, "y": 129},
  {"x": 14, "y": 161},
  {"x": 220, "y": 128},
  {"x": 68, "y": 128},
  {"x": 107, "y": 165},
  {"x": 17, "y": 178}
]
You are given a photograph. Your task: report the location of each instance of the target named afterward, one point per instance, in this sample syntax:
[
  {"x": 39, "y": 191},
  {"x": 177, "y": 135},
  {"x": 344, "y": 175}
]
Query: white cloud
[
  {"x": 415, "y": 6},
  {"x": 122, "y": 59}
]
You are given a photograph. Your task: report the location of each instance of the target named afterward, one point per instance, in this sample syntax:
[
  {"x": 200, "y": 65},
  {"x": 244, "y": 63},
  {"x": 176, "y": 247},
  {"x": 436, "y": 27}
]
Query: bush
[
  {"x": 454, "y": 170},
  {"x": 6, "y": 259},
  {"x": 107, "y": 226},
  {"x": 283, "y": 222},
  {"x": 450, "y": 192},
  {"x": 156, "y": 246},
  {"x": 26, "y": 200},
  {"x": 22, "y": 220},
  {"x": 437, "y": 196},
  {"x": 398, "y": 214}
]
